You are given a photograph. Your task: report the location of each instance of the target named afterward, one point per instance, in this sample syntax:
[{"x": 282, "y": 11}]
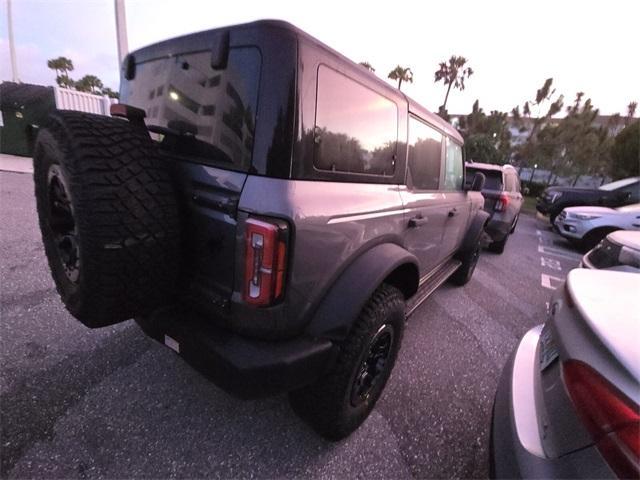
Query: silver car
[
  {"x": 567, "y": 401},
  {"x": 619, "y": 251}
]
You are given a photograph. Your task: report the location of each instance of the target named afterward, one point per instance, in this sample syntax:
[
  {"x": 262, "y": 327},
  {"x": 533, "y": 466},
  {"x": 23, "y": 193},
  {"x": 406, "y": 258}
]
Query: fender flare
[
  {"x": 473, "y": 232},
  {"x": 348, "y": 295}
]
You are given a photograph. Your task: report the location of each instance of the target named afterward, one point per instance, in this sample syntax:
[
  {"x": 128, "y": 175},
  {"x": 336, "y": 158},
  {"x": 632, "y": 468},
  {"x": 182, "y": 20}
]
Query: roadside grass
[{"x": 529, "y": 205}]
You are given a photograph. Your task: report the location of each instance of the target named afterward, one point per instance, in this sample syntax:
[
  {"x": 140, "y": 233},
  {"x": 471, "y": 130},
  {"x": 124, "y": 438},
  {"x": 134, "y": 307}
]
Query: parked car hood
[
  {"x": 587, "y": 209},
  {"x": 617, "y": 322},
  {"x": 575, "y": 190}
]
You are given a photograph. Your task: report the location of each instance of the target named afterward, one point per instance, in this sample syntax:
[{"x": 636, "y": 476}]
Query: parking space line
[
  {"x": 557, "y": 252},
  {"x": 547, "y": 281}
]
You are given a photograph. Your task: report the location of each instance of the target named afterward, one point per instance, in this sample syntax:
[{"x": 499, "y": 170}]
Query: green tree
[
  {"x": 480, "y": 148},
  {"x": 401, "y": 74},
  {"x": 368, "y": 66},
  {"x": 89, "y": 83},
  {"x": 110, "y": 93},
  {"x": 65, "y": 81},
  {"x": 631, "y": 112},
  {"x": 492, "y": 129},
  {"x": 62, "y": 66},
  {"x": 538, "y": 148},
  {"x": 453, "y": 74},
  {"x": 625, "y": 152}
]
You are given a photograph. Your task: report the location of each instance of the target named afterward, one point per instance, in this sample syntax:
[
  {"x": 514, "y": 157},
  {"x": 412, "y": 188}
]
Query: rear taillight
[
  {"x": 501, "y": 203},
  {"x": 265, "y": 261},
  {"x": 613, "y": 420}
]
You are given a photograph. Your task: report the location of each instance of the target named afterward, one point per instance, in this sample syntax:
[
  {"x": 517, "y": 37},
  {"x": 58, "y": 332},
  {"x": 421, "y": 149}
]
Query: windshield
[
  {"x": 618, "y": 184},
  {"x": 203, "y": 114}
]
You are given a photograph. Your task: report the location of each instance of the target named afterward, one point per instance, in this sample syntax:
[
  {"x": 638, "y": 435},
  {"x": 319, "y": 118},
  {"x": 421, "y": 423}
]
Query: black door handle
[
  {"x": 453, "y": 212},
  {"x": 418, "y": 221}
]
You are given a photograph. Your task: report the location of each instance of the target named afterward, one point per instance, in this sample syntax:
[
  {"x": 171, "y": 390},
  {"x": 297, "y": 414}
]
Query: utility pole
[
  {"x": 121, "y": 30},
  {"x": 12, "y": 47}
]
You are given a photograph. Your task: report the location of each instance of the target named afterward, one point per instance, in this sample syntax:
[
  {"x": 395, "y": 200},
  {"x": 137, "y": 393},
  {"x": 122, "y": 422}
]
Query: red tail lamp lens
[{"x": 265, "y": 261}]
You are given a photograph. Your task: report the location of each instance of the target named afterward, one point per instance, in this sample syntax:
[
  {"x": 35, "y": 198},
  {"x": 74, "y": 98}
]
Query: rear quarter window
[{"x": 356, "y": 129}]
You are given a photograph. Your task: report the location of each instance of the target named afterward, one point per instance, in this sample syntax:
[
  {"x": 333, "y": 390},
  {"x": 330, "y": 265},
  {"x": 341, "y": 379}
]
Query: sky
[{"x": 512, "y": 46}]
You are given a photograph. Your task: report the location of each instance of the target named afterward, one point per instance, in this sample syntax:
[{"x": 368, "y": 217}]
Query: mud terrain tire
[{"x": 108, "y": 216}]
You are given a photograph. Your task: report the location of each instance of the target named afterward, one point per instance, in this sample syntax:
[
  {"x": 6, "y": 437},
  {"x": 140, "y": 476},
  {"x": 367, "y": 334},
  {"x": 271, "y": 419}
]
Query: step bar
[{"x": 430, "y": 283}]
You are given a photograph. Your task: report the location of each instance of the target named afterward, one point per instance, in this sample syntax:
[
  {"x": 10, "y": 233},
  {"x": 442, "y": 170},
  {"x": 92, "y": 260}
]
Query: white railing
[{"x": 67, "y": 99}]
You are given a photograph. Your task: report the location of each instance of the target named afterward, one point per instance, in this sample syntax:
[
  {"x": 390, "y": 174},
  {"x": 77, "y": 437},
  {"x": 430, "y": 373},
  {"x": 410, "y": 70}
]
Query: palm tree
[
  {"x": 401, "y": 74},
  {"x": 453, "y": 74},
  {"x": 89, "y": 83},
  {"x": 62, "y": 65},
  {"x": 368, "y": 66},
  {"x": 631, "y": 111}
]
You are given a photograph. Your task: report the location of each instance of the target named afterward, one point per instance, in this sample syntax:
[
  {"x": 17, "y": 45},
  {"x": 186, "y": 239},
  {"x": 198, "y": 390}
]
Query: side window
[
  {"x": 454, "y": 169},
  {"x": 356, "y": 129},
  {"x": 425, "y": 152}
]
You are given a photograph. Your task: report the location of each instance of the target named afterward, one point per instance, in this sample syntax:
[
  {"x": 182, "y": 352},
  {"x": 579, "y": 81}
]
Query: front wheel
[{"x": 338, "y": 403}]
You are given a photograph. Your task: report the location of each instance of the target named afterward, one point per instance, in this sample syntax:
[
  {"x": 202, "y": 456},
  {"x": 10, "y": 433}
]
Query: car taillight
[
  {"x": 501, "y": 203},
  {"x": 612, "y": 419},
  {"x": 265, "y": 261}
]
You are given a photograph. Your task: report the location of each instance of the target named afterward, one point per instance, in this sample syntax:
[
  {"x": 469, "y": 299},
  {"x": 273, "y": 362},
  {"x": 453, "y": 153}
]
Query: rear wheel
[
  {"x": 498, "y": 247},
  {"x": 108, "y": 217},
  {"x": 338, "y": 403},
  {"x": 465, "y": 271}
]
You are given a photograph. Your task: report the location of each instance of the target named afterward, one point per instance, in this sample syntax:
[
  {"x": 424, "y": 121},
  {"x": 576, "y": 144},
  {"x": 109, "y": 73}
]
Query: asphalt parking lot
[{"x": 80, "y": 403}]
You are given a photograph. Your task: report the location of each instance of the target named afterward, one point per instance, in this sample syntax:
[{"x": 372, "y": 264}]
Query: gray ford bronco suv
[{"x": 265, "y": 207}]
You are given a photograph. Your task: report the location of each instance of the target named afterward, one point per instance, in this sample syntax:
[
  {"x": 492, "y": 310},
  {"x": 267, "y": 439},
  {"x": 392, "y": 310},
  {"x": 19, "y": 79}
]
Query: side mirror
[{"x": 478, "y": 182}]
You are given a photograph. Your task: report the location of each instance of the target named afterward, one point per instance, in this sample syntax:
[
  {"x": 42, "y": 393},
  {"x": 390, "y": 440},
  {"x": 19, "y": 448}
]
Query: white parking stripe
[
  {"x": 547, "y": 281},
  {"x": 557, "y": 252}
]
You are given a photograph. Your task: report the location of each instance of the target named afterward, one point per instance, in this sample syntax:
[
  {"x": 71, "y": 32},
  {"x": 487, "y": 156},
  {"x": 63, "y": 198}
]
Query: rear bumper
[
  {"x": 245, "y": 367},
  {"x": 516, "y": 449}
]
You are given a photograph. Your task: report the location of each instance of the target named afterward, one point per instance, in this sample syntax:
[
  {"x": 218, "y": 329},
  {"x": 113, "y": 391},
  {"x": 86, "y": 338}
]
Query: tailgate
[{"x": 210, "y": 201}]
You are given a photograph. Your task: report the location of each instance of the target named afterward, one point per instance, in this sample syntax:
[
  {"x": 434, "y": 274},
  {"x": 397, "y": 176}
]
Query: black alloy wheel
[{"x": 373, "y": 365}]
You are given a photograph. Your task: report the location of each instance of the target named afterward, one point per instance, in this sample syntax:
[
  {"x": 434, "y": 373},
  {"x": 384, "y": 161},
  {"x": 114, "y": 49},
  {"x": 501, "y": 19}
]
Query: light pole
[
  {"x": 12, "y": 47},
  {"x": 121, "y": 30}
]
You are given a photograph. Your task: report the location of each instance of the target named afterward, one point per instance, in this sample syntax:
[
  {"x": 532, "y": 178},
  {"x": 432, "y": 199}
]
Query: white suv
[{"x": 589, "y": 225}]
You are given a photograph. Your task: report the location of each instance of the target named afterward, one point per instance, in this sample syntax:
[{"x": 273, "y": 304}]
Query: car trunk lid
[{"x": 589, "y": 331}]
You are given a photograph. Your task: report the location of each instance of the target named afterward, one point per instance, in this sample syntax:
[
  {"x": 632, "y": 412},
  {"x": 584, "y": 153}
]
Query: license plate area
[{"x": 547, "y": 347}]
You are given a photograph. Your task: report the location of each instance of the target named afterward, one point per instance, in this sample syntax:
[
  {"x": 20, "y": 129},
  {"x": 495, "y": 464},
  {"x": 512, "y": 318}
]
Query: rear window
[
  {"x": 494, "y": 178},
  {"x": 356, "y": 129},
  {"x": 205, "y": 115}
]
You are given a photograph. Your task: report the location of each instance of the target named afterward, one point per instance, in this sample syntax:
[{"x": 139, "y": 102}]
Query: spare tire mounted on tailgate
[{"x": 108, "y": 216}]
